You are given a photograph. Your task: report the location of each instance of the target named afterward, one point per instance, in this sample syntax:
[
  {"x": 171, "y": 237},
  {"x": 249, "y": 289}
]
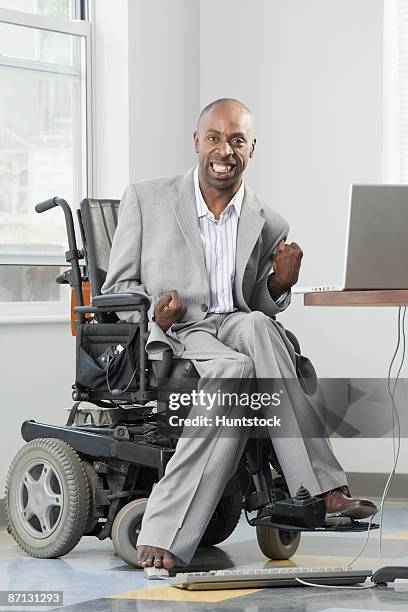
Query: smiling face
[{"x": 224, "y": 141}]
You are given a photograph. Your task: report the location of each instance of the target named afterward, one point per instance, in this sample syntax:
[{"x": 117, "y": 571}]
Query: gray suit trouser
[{"x": 235, "y": 346}]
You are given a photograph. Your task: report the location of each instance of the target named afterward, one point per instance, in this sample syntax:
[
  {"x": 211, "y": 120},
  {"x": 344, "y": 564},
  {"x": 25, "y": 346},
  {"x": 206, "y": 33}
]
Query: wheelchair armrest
[
  {"x": 113, "y": 302},
  {"x": 116, "y": 300}
]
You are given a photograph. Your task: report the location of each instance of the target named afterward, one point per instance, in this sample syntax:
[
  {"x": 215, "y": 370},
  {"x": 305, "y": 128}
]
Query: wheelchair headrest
[{"x": 99, "y": 220}]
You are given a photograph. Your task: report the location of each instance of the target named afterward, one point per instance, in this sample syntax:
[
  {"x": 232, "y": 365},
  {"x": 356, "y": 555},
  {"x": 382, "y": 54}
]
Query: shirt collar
[{"x": 202, "y": 208}]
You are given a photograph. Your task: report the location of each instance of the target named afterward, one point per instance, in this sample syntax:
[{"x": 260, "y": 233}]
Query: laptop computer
[{"x": 377, "y": 240}]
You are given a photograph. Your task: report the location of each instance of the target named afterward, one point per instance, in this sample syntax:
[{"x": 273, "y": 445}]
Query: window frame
[{"x": 52, "y": 311}]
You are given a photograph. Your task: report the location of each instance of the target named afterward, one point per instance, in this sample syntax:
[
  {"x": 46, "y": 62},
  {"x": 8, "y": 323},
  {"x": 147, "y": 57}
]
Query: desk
[{"x": 383, "y": 297}]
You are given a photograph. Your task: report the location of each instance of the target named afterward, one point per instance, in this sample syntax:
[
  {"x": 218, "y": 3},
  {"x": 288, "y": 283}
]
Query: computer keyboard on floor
[{"x": 270, "y": 577}]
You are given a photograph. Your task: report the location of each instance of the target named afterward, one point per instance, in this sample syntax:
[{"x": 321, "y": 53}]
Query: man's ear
[
  {"x": 195, "y": 137},
  {"x": 253, "y": 148}
]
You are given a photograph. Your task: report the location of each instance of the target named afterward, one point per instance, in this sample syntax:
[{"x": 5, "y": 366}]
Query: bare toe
[
  {"x": 168, "y": 561},
  {"x": 153, "y": 556},
  {"x": 141, "y": 552}
]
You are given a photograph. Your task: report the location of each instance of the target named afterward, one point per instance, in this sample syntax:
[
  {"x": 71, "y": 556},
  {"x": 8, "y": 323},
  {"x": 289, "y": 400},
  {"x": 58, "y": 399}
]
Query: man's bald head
[{"x": 229, "y": 105}]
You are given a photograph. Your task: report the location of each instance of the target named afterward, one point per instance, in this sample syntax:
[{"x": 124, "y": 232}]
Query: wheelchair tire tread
[
  {"x": 277, "y": 544},
  {"x": 78, "y": 497}
]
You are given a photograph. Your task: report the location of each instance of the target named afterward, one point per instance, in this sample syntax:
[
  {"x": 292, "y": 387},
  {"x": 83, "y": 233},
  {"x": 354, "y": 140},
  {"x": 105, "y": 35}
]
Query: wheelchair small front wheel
[
  {"x": 126, "y": 528},
  {"x": 223, "y": 521},
  {"x": 47, "y": 498},
  {"x": 277, "y": 544}
]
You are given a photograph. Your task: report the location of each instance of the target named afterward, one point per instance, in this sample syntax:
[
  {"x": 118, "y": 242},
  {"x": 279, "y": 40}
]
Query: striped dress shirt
[{"x": 219, "y": 239}]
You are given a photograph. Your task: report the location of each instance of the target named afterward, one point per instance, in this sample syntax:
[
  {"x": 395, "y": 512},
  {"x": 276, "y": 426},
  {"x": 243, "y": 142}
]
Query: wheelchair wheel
[
  {"x": 223, "y": 521},
  {"x": 277, "y": 543},
  {"x": 126, "y": 528},
  {"x": 47, "y": 498}
]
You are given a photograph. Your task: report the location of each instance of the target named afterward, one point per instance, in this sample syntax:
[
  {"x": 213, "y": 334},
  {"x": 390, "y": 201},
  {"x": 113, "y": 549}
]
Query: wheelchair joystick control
[
  {"x": 302, "y": 495},
  {"x": 303, "y": 511}
]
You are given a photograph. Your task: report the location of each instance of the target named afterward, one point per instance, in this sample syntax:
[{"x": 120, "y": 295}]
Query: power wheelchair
[{"x": 93, "y": 476}]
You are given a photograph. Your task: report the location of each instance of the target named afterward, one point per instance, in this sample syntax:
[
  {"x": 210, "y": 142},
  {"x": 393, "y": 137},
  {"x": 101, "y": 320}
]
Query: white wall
[
  {"x": 111, "y": 97},
  {"x": 164, "y": 77},
  {"x": 146, "y": 77}
]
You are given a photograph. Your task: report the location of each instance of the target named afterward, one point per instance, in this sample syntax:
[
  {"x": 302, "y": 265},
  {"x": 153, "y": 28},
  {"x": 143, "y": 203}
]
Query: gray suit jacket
[{"x": 157, "y": 247}]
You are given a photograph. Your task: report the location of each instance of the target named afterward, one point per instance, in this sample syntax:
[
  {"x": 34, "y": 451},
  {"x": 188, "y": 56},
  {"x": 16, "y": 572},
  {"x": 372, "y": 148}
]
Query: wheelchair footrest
[
  {"x": 305, "y": 512},
  {"x": 331, "y": 523}
]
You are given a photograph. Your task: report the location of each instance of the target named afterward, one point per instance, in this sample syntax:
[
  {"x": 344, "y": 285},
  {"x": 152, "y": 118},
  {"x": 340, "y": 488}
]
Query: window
[
  {"x": 44, "y": 141},
  {"x": 31, "y": 284},
  {"x": 60, "y": 9}
]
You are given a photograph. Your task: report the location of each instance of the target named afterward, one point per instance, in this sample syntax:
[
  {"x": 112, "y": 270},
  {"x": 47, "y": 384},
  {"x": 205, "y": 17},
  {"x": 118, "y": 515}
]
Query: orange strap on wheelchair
[{"x": 86, "y": 295}]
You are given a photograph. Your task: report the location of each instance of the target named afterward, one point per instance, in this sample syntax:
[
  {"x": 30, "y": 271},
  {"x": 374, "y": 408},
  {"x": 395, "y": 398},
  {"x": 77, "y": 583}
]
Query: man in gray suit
[{"x": 213, "y": 261}]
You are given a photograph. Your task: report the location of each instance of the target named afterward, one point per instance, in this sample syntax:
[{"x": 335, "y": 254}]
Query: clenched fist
[
  {"x": 168, "y": 310},
  {"x": 286, "y": 266}
]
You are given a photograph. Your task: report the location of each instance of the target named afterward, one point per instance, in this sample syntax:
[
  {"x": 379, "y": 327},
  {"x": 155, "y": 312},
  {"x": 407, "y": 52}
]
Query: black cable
[{"x": 119, "y": 392}]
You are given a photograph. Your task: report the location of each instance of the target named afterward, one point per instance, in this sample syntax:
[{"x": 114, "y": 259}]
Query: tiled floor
[{"x": 92, "y": 578}]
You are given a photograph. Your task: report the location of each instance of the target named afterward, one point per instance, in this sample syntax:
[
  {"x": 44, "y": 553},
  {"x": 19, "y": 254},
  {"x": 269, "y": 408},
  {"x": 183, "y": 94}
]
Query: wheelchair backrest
[{"x": 99, "y": 219}]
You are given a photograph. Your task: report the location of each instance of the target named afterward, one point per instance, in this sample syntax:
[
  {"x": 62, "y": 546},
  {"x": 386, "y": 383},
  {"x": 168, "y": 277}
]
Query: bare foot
[{"x": 152, "y": 556}]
